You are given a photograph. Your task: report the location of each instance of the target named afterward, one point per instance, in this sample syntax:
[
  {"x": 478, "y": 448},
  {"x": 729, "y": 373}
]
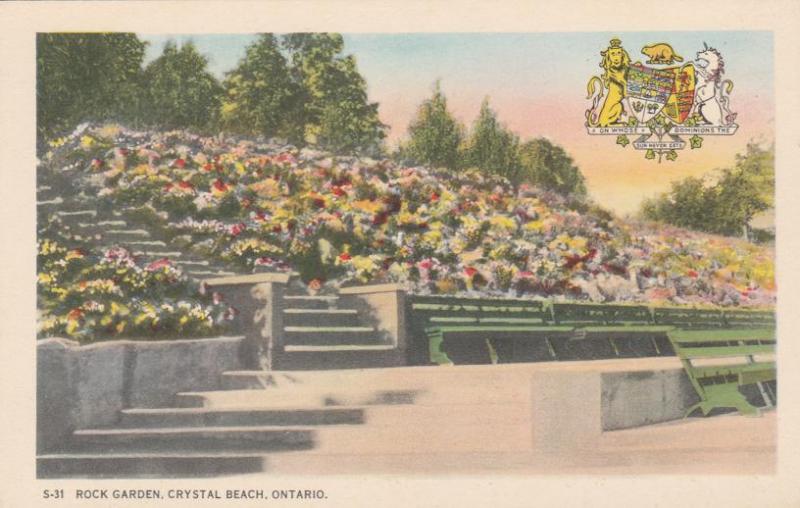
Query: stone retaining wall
[{"x": 86, "y": 386}]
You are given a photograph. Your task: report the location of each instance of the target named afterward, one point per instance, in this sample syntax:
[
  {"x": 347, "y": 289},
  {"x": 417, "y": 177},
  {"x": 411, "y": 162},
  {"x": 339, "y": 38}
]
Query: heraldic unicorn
[{"x": 659, "y": 101}]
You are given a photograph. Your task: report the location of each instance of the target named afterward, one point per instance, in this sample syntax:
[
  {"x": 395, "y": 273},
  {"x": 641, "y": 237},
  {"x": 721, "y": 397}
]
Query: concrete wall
[
  {"x": 86, "y": 386},
  {"x": 382, "y": 306},
  {"x": 633, "y": 399}
]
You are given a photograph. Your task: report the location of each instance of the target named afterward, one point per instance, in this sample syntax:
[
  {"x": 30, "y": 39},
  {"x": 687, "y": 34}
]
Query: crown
[{"x": 615, "y": 43}]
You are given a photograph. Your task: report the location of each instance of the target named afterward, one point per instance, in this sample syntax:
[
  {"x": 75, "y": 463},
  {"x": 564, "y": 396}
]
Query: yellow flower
[
  {"x": 503, "y": 223},
  {"x": 366, "y": 205},
  {"x": 87, "y": 141}
]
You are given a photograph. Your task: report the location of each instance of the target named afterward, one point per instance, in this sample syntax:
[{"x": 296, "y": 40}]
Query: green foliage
[
  {"x": 180, "y": 92},
  {"x": 86, "y": 77},
  {"x": 335, "y": 109},
  {"x": 726, "y": 207},
  {"x": 491, "y": 147},
  {"x": 302, "y": 89},
  {"x": 548, "y": 166},
  {"x": 435, "y": 135},
  {"x": 260, "y": 95}
]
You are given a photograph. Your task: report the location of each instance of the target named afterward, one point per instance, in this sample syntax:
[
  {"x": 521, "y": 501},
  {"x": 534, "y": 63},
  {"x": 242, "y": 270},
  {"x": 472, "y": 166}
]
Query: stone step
[
  {"x": 309, "y": 357},
  {"x": 201, "y": 417},
  {"x": 320, "y": 317},
  {"x": 331, "y": 335},
  {"x": 154, "y": 254},
  {"x": 191, "y": 263},
  {"x": 148, "y": 465},
  {"x": 291, "y": 398},
  {"x": 76, "y": 215},
  {"x": 53, "y": 203},
  {"x": 205, "y": 274},
  {"x": 146, "y": 244},
  {"x": 255, "y": 438},
  {"x": 311, "y": 302}
]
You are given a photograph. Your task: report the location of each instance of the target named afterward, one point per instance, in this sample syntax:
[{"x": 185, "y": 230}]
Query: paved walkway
[{"x": 725, "y": 444}]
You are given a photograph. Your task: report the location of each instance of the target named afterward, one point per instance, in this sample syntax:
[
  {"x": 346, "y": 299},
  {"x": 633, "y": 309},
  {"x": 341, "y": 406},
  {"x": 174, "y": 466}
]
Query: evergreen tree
[
  {"x": 548, "y": 166},
  {"x": 180, "y": 91},
  {"x": 491, "y": 147},
  {"x": 86, "y": 77},
  {"x": 261, "y": 96},
  {"x": 435, "y": 136}
]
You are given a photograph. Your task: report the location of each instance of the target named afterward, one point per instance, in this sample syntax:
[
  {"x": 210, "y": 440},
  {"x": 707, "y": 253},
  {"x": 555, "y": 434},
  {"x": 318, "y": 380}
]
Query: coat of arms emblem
[{"x": 660, "y": 100}]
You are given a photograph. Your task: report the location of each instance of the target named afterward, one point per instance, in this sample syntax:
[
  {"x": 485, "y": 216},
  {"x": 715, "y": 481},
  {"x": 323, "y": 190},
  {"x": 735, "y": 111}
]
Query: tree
[
  {"x": 435, "y": 136},
  {"x": 491, "y": 147},
  {"x": 261, "y": 96},
  {"x": 548, "y": 166},
  {"x": 726, "y": 207},
  {"x": 86, "y": 77},
  {"x": 180, "y": 91},
  {"x": 337, "y": 114}
]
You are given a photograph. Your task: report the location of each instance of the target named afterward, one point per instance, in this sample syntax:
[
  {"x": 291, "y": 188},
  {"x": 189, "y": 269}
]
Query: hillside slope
[{"x": 210, "y": 205}]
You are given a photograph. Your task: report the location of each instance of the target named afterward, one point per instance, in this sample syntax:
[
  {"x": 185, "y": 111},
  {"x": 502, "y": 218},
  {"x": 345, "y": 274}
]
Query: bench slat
[
  {"x": 722, "y": 351},
  {"x": 681, "y": 336}
]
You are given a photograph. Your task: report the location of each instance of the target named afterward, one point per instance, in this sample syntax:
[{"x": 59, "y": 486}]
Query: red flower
[
  {"x": 179, "y": 163},
  {"x": 75, "y": 314},
  {"x": 426, "y": 264},
  {"x": 219, "y": 185},
  {"x": 338, "y": 191},
  {"x": 434, "y": 197},
  {"x": 380, "y": 218},
  {"x": 344, "y": 256},
  {"x": 236, "y": 229},
  {"x": 158, "y": 264},
  {"x": 692, "y": 274},
  {"x": 185, "y": 185},
  {"x": 469, "y": 271}
]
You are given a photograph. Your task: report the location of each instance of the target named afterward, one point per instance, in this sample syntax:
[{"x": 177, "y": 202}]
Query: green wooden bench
[
  {"x": 494, "y": 327},
  {"x": 612, "y": 330},
  {"x": 718, "y": 384}
]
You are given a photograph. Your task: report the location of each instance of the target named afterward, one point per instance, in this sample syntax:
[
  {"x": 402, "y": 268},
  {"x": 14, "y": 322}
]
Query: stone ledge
[
  {"x": 255, "y": 278},
  {"x": 374, "y": 288}
]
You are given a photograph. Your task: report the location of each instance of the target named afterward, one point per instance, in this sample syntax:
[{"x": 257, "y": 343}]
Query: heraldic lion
[{"x": 615, "y": 62}]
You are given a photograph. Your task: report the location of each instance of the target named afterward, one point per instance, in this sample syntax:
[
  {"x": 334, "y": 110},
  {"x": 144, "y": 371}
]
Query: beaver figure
[{"x": 661, "y": 53}]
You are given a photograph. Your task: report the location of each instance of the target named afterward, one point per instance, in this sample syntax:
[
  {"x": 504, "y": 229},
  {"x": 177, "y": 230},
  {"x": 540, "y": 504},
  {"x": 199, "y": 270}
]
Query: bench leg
[
  {"x": 437, "y": 356},
  {"x": 724, "y": 396}
]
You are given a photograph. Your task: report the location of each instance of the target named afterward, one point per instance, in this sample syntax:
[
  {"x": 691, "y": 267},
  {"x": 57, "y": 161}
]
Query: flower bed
[
  {"x": 88, "y": 296},
  {"x": 339, "y": 221}
]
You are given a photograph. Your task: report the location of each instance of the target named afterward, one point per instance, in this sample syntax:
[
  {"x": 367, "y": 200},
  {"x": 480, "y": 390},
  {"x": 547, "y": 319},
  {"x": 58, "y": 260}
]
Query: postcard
[{"x": 446, "y": 254}]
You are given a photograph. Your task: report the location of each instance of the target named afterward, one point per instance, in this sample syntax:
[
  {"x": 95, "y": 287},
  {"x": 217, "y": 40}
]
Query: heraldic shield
[
  {"x": 651, "y": 90},
  {"x": 680, "y": 103}
]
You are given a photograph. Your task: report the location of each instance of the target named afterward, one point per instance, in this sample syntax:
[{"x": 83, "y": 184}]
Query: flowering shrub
[
  {"x": 262, "y": 206},
  {"x": 86, "y": 297}
]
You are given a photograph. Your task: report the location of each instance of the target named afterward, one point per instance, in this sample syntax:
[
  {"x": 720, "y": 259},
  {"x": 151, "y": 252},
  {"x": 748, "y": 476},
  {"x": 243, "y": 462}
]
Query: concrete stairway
[
  {"x": 330, "y": 332},
  {"x": 212, "y": 433}
]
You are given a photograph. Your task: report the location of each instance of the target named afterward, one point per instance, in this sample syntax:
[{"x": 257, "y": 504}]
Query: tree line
[
  {"x": 725, "y": 205},
  {"x": 438, "y": 139},
  {"x": 299, "y": 87}
]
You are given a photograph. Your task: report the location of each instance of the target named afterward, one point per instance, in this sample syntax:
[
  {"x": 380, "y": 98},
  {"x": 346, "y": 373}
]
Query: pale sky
[{"x": 537, "y": 84}]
